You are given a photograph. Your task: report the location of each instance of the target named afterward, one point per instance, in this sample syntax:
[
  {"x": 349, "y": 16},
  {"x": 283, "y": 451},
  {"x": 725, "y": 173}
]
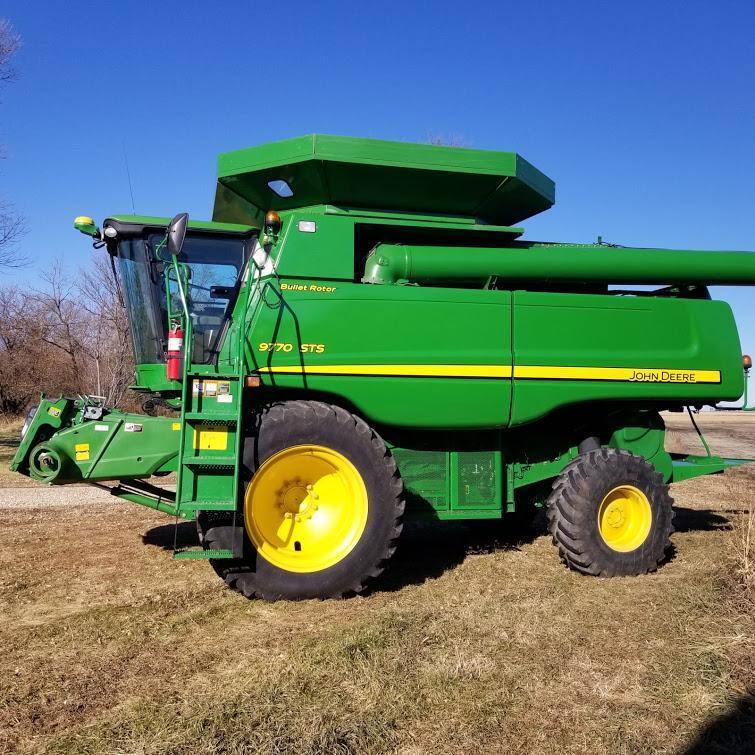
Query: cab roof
[{"x": 140, "y": 222}]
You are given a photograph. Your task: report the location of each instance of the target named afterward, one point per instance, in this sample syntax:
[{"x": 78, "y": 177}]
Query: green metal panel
[
  {"x": 331, "y": 251},
  {"x": 400, "y": 355},
  {"x": 477, "y": 480},
  {"x": 151, "y": 377},
  {"x": 114, "y": 446},
  {"x": 408, "y": 219},
  {"x": 426, "y": 478},
  {"x": 645, "y": 437},
  {"x": 452, "y": 484},
  {"x": 656, "y": 344},
  {"x": 687, "y": 467},
  {"x": 303, "y": 252},
  {"x": 500, "y": 187}
]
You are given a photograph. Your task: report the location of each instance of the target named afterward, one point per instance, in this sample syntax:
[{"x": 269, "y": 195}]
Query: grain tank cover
[{"x": 500, "y": 188}]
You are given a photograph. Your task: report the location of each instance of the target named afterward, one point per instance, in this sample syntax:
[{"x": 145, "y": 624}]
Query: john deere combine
[{"x": 360, "y": 335}]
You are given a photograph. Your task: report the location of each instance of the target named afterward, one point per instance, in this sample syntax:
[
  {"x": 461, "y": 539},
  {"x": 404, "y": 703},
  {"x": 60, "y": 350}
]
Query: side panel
[
  {"x": 466, "y": 484},
  {"x": 641, "y": 349},
  {"x": 401, "y": 355}
]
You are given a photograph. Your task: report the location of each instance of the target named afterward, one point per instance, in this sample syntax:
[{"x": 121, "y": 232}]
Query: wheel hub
[
  {"x": 625, "y": 518},
  {"x": 306, "y": 508},
  {"x": 615, "y": 515}
]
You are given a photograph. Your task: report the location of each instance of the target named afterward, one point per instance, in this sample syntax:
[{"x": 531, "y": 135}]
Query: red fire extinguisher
[{"x": 175, "y": 349}]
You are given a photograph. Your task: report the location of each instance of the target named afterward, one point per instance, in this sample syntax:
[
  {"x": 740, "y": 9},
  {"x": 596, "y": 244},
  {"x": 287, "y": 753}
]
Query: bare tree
[
  {"x": 442, "y": 140},
  {"x": 110, "y": 341},
  {"x": 21, "y": 360},
  {"x": 68, "y": 337},
  {"x": 12, "y": 225},
  {"x": 10, "y": 42},
  {"x": 60, "y": 317}
]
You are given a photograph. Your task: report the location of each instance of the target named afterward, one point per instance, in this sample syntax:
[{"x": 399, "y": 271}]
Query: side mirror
[{"x": 177, "y": 233}]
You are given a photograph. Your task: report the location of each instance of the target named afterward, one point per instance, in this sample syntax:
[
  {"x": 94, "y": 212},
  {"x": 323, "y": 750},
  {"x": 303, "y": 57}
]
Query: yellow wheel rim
[
  {"x": 306, "y": 508},
  {"x": 625, "y": 518}
]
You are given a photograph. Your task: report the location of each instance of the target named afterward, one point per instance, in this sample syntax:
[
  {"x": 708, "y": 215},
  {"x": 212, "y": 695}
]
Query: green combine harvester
[{"x": 360, "y": 335}]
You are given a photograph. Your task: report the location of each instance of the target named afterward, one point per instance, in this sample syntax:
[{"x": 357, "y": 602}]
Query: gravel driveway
[{"x": 49, "y": 496}]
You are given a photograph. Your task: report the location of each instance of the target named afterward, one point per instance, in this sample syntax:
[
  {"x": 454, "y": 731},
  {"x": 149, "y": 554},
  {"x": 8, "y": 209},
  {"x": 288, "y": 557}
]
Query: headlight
[{"x": 29, "y": 418}]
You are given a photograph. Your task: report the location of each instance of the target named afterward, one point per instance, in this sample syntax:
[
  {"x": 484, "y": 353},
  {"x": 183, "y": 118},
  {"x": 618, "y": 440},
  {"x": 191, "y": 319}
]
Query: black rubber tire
[
  {"x": 573, "y": 513},
  {"x": 294, "y": 423}
]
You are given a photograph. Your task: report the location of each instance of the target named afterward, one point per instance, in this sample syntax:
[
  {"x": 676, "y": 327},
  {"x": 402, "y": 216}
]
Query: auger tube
[{"x": 393, "y": 263}]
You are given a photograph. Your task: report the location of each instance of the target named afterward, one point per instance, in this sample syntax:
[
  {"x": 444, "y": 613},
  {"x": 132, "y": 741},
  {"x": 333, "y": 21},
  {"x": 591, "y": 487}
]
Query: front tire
[
  {"x": 610, "y": 514},
  {"x": 322, "y": 509}
]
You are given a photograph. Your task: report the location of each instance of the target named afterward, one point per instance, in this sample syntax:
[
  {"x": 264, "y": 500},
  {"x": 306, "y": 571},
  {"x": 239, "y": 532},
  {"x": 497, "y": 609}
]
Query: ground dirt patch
[{"x": 473, "y": 642}]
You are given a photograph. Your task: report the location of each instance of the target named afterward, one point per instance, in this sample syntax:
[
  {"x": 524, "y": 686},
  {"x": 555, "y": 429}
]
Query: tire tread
[{"x": 572, "y": 513}]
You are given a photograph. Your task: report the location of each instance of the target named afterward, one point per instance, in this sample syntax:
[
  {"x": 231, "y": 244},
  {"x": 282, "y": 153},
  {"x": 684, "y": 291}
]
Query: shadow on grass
[
  {"x": 733, "y": 732},
  {"x": 165, "y": 536},
  {"x": 429, "y": 548},
  {"x": 426, "y": 551},
  {"x": 700, "y": 520}
]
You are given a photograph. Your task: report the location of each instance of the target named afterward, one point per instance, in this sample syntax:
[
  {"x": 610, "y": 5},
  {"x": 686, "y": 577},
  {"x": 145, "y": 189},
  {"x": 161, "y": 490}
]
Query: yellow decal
[
  {"x": 176, "y": 425},
  {"x": 399, "y": 370},
  {"x": 305, "y": 348},
  {"x": 316, "y": 287},
  {"x": 53, "y": 411},
  {"x": 82, "y": 451},
  {"x": 623, "y": 374},
  {"x": 209, "y": 438}
]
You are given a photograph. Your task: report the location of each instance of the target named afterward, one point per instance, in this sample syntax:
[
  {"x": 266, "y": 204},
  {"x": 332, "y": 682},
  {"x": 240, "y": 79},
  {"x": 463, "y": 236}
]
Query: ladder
[
  {"x": 212, "y": 437},
  {"x": 209, "y": 450}
]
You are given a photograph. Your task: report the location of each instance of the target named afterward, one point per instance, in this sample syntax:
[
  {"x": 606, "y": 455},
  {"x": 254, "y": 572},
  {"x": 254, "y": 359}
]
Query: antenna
[{"x": 128, "y": 175}]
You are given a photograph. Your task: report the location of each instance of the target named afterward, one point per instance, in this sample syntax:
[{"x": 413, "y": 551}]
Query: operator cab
[{"x": 214, "y": 256}]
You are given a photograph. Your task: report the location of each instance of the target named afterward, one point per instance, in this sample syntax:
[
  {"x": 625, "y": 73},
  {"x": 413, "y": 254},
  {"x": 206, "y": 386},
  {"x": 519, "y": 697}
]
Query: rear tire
[
  {"x": 610, "y": 514},
  {"x": 322, "y": 510}
]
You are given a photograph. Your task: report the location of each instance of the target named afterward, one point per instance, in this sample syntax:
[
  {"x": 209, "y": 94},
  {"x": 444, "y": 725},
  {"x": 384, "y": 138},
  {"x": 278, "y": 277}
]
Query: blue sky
[{"x": 643, "y": 112}]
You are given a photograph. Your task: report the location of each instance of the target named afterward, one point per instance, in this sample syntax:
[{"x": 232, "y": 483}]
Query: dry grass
[
  {"x": 744, "y": 551},
  {"x": 472, "y": 643}
]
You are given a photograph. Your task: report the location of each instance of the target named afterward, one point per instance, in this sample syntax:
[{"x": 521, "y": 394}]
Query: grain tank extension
[{"x": 360, "y": 335}]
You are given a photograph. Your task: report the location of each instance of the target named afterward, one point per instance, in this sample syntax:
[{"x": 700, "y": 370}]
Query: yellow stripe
[
  {"x": 398, "y": 370},
  {"x": 630, "y": 374},
  {"x": 626, "y": 374}
]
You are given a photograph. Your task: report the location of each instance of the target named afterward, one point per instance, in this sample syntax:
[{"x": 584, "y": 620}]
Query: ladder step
[
  {"x": 210, "y": 461},
  {"x": 215, "y": 417},
  {"x": 201, "y": 553},
  {"x": 207, "y": 505}
]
